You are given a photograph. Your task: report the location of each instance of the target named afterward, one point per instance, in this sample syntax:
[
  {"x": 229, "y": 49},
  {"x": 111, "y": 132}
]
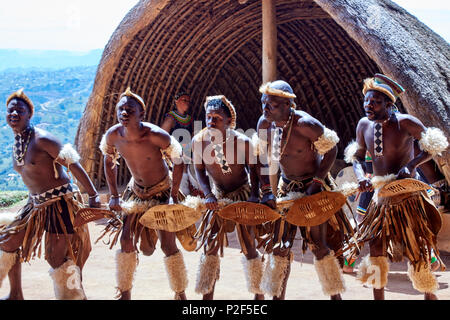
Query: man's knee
[
  {"x": 126, "y": 244},
  {"x": 10, "y": 243},
  {"x": 252, "y": 253},
  {"x": 320, "y": 250},
  {"x": 169, "y": 247},
  {"x": 55, "y": 258},
  {"x": 376, "y": 249},
  {"x": 284, "y": 252}
]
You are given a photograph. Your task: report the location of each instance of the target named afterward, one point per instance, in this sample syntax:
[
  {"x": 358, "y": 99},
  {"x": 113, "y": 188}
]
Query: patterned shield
[
  {"x": 86, "y": 215},
  {"x": 315, "y": 209},
  {"x": 248, "y": 213},
  {"x": 170, "y": 217},
  {"x": 403, "y": 186}
]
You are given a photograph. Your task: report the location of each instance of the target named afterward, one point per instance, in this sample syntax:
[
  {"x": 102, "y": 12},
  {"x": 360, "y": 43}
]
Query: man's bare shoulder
[
  {"x": 154, "y": 129},
  {"x": 47, "y": 142},
  {"x": 263, "y": 123},
  {"x": 197, "y": 137},
  {"x": 241, "y": 139},
  {"x": 305, "y": 120},
  {"x": 200, "y": 136},
  {"x": 410, "y": 124},
  {"x": 43, "y": 137},
  {"x": 363, "y": 123},
  {"x": 156, "y": 134},
  {"x": 114, "y": 130},
  {"x": 407, "y": 119}
]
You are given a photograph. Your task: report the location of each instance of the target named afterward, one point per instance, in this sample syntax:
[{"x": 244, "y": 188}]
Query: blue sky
[{"x": 82, "y": 25}]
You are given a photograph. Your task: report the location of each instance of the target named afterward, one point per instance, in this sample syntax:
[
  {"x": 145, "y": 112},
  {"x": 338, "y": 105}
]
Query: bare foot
[
  {"x": 378, "y": 294},
  {"x": 430, "y": 296},
  {"x": 124, "y": 295},
  {"x": 259, "y": 297},
  {"x": 180, "y": 296},
  {"x": 435, "y": 266},
  {"x": 208, "y": 296},
  {"x": 347, "y": 269},
  {"x": 13, "y": 296},
  {"x": 336, "y": 297}
]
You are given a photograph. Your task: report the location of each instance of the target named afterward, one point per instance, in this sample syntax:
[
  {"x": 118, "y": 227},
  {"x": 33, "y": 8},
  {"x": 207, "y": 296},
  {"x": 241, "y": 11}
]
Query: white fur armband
[
  {"x": 433, "y": 141},
  {"x": 326, "y": 141},
  {"x": 173, "y": 151},
  {"x": 350, "y": 151},
  {"x": 379, "y": 181},
  {"x": 259, "y": 145},
  {"x": 67, "y": 154},
  {"x": 110, "y": 151}
]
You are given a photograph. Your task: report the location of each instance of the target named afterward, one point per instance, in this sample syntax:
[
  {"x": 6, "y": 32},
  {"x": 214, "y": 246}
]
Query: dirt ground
[{"x": 151, "y": 280}]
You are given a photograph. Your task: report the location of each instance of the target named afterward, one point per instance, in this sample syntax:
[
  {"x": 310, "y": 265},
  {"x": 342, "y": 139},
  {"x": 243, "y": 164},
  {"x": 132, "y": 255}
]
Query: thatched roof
[{"x": 325, "y": 50}]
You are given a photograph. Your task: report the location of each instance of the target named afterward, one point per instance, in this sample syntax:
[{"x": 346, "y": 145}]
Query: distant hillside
[
  {"x": 12, "y": 59},
  {"x": 59, "y": 97}
]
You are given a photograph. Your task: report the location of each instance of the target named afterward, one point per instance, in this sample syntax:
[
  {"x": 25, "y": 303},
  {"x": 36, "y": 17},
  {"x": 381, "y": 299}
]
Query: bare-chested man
[
  {"x": 305, "y": 151},
  {"x": 52, "y": 205},
  {"x": 409, "y": 222},
  {"x": 144, "y": 146},
  {"x": 225, "y": 155}
]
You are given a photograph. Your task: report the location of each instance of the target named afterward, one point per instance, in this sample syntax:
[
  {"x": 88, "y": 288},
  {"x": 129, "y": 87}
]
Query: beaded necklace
[
  {"x": 277, "y": 150},
  {"x": 20, "y": 146},
  {"x": 181, "y": 119}
]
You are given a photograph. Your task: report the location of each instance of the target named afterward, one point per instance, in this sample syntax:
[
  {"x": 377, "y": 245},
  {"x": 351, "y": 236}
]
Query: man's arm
[
  {"x": 258, "y": 153},
  {"x": 200, "y": 172},
  {"x": 250, "y": 161},
  {"x": 168, "y": 123},
  {"x": 261, "y": 145},
  {"x": 68, "y": 157},
  {"x": 324, "y": 141},
  {"x": 172, "y": 149},
  {"x": 110, "y": 169},
  {"x": 415, "y": 128},
  {"x": 359, "y": 159}
]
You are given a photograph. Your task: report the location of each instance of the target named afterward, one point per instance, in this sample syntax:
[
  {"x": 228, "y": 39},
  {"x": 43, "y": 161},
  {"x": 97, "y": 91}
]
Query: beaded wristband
[
  {"x": 209, "y": 195},
  {"x": 266, "y": 189},
  {"x": 268, "y": 197}
]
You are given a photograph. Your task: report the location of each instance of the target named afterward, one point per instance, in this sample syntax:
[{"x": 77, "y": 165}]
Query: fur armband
[
  {"x": 326, "y": 141},
  {"x": 110, "y": 151},
  {"x": 259, "y": 145},
  {"x": 173, "y": 151},
  {"x": 350, "y": 151},
  {"x": 433, "y": 141},
  {"x": 67, "y": 154},
  {"x": 379, "y": 181}
]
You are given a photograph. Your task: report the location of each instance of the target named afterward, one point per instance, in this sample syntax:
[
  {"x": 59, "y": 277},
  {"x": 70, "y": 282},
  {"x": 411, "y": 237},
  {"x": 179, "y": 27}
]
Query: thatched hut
[{"x": 325, "y": 50}]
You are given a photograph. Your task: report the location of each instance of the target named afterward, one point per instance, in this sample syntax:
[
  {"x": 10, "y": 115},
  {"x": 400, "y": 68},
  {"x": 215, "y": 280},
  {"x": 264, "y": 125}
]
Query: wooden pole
[
  {"x": 269, "y": 41},
  {"x": 269, "y": 60}
]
